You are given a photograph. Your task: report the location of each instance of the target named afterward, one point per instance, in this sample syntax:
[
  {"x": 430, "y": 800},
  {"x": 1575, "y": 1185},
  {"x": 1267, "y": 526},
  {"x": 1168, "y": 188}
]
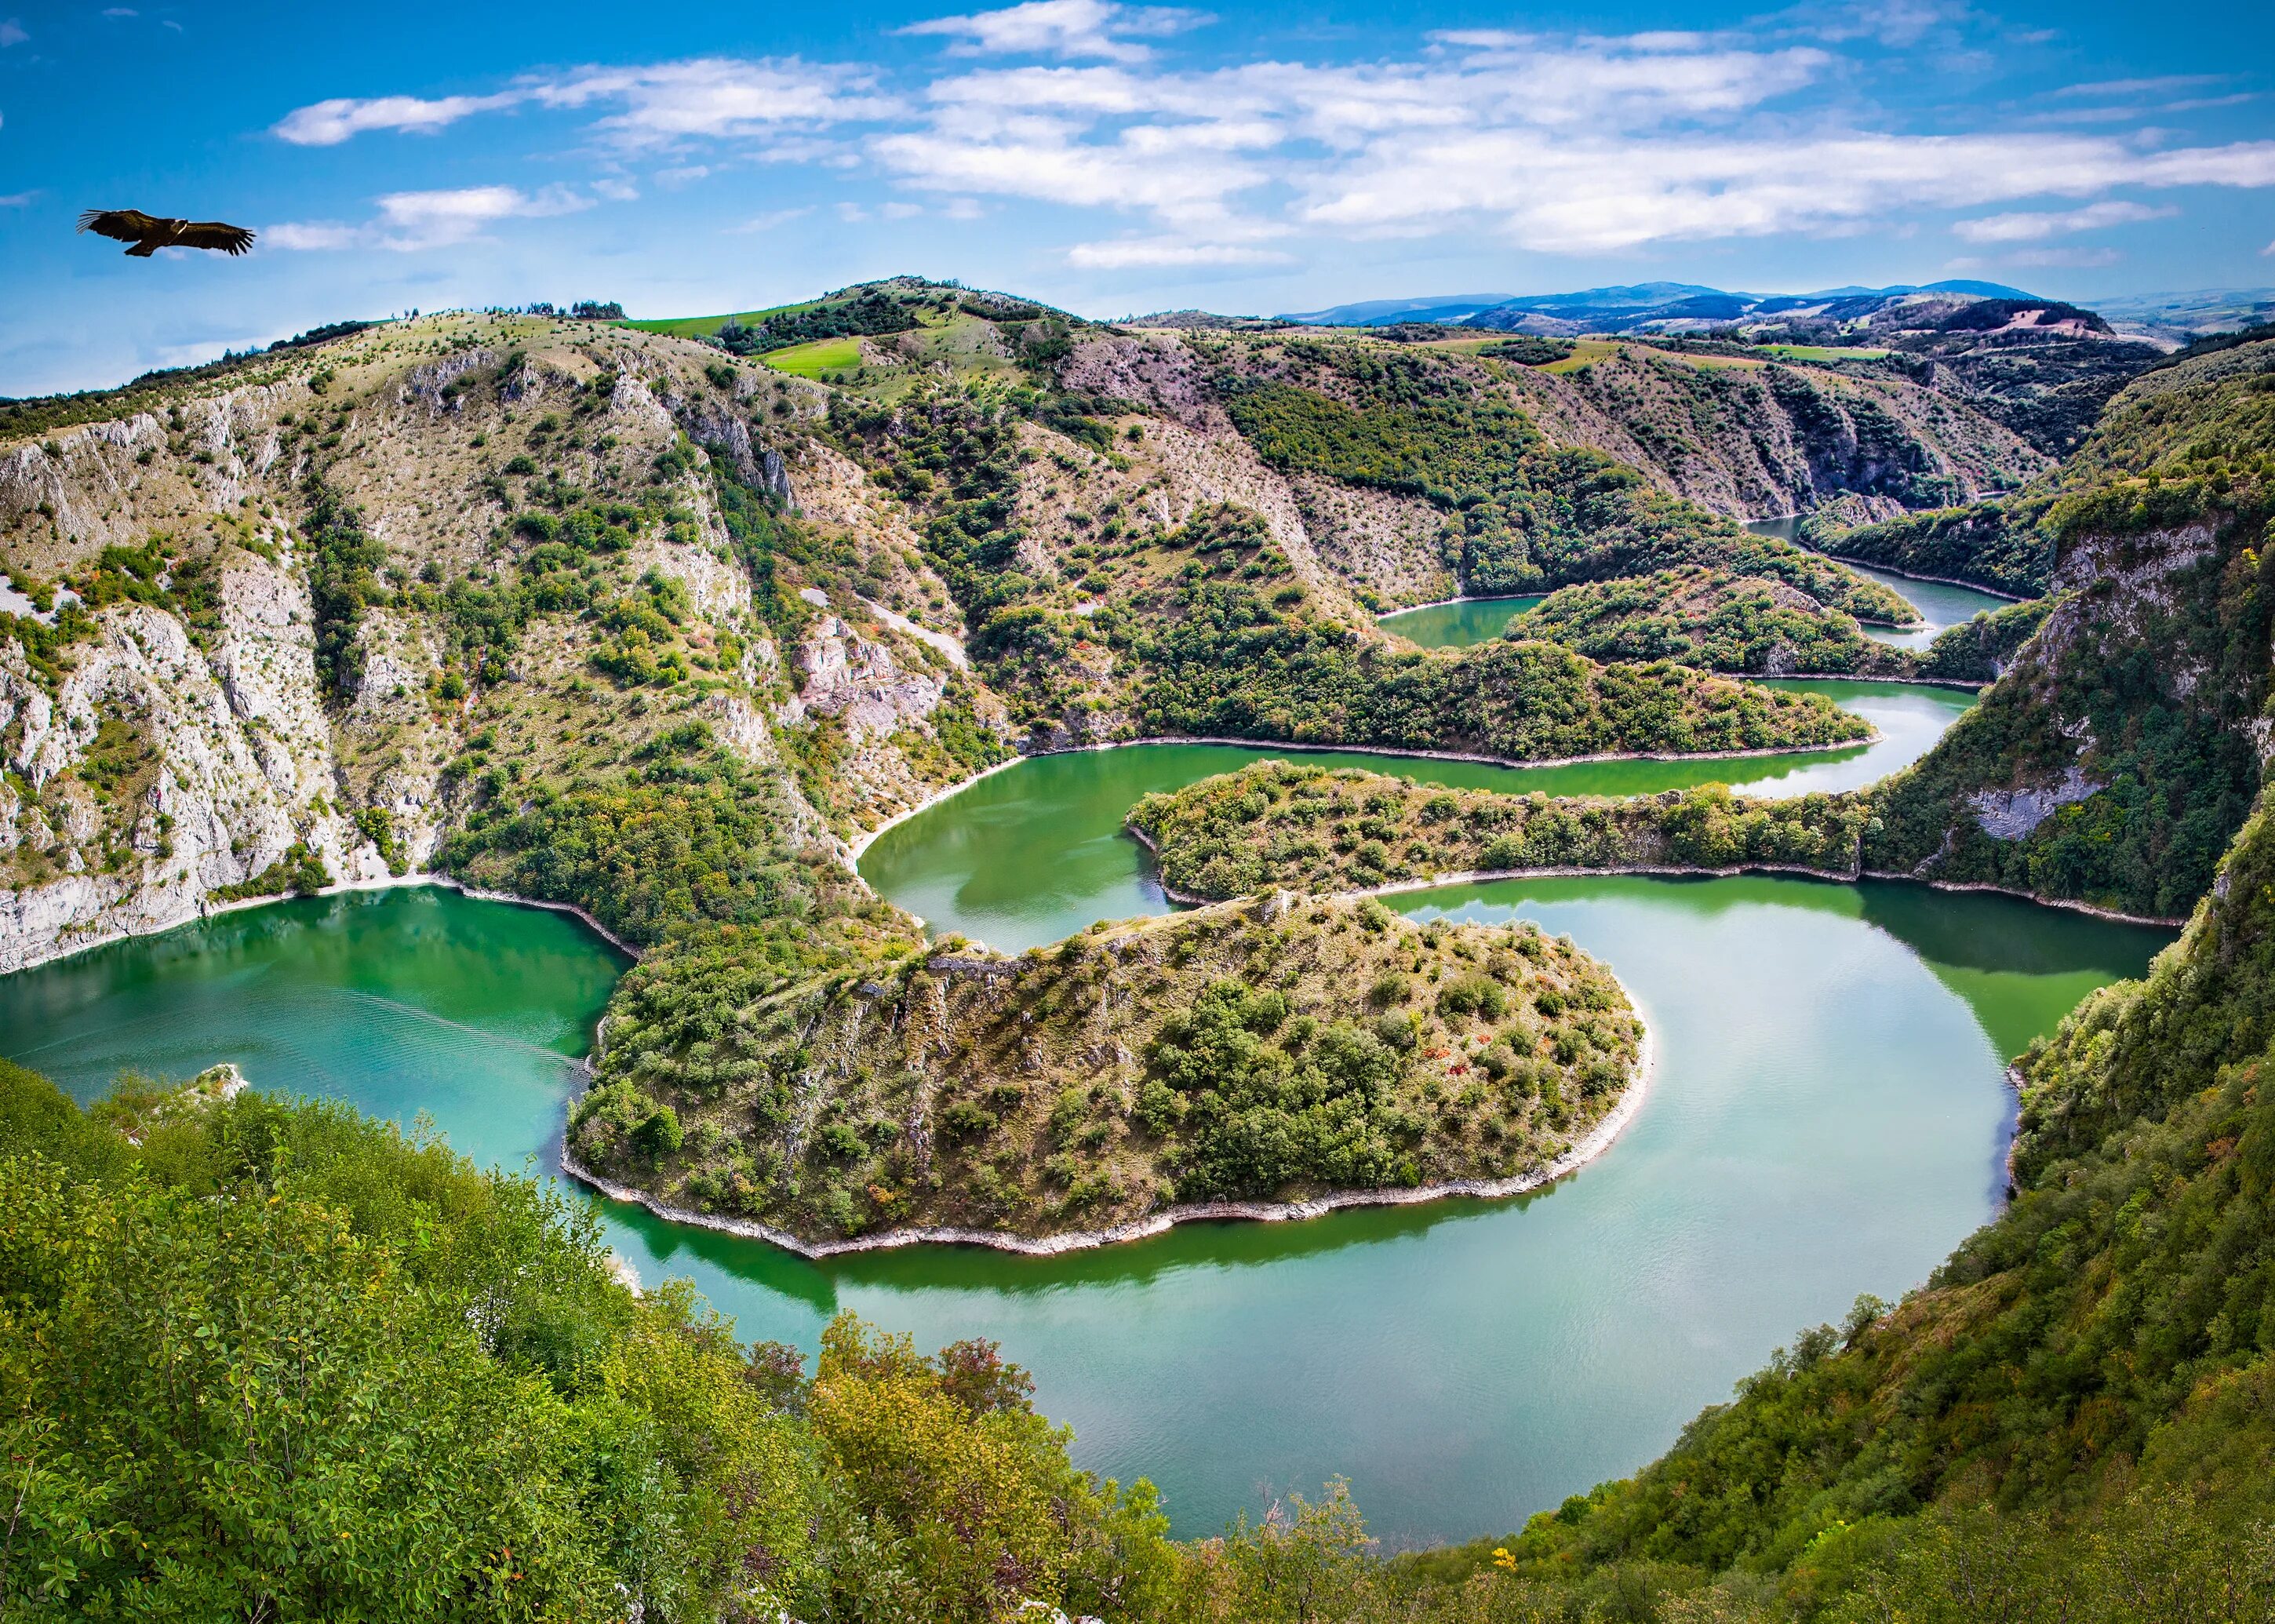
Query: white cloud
[
  {"x": 1595, "y": 194},
  {"x": 2075, "y": 259},
  {"x": 311, "y": 234},
  {"x": 2026, "y": 228},
  {"x": 771, "y": 218},
  {"x": 708, "y": 96},
  {"x": 1568, "y": 143},
  {"x": 1096, "y": 28},
  {"x": 11, "y": 32},
  {"x": 120, "y": 10},
  {"x": 327, "y": 124},
  {"x": 2162, "y": 85},
  {"x": 17, "y": 200},
  {"x": 718, "y": 97},
  {"x": 1128, "y": 253},
  {"x": 412, "y": 221}
]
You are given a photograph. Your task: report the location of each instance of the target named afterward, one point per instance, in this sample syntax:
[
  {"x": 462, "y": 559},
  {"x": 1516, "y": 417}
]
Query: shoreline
[
  {"x": 1938, "y": 580},
  {"x": 1593, "y": 1143},
  {"x": 1482, "y": 876},
  {"x": 856, "y": 847},
  {"x": 341, "y": 888},
  {"x": 1874, "y": 563},
  {"x": 1440, "y": 603},
  {"x": 1857, "y": 677}
]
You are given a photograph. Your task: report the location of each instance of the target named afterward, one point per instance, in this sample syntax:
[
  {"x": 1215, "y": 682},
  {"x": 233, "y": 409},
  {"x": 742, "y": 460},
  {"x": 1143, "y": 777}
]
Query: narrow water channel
[{"x": 1941, "y": 604}]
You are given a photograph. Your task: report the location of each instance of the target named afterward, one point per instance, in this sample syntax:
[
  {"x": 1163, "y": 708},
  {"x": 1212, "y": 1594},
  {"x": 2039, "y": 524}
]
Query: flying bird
[{"x": 148, "y": 233}]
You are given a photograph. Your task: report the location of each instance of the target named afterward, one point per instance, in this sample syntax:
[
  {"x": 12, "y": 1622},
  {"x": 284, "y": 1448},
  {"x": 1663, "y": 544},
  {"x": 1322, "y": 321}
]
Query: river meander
[{"x": 1827, "y": 1118}]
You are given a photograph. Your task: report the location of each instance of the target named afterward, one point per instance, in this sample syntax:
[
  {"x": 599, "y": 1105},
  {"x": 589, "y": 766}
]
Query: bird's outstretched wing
[
  {"x": 124, "y": 225},
  {"x": 216, "y": 234}
]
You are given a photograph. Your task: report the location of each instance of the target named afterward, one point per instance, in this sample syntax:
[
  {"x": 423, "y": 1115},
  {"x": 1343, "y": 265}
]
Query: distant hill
[
  {"x": 1649, "y": 307},
  {"x": 2176, "y": 318}
]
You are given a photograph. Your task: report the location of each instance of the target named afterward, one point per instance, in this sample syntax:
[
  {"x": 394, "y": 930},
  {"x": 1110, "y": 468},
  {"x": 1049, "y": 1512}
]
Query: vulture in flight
[{"x": 148, "y": 233}]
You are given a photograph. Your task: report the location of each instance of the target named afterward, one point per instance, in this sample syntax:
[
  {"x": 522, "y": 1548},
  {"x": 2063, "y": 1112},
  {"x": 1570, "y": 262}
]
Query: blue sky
[{"x": 1113, "y": 158}]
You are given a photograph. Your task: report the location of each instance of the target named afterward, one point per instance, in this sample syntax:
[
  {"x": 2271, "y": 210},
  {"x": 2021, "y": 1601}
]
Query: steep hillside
[
  {"x": 2089, "y": 1343},
  {"x": 2118, "y": 755},
  {"x": 1736, "y": 436},
  {"x": 309, "y": 620},
  {"x": 1130, "y": 577},
  {"x": 618, "y": 620}
]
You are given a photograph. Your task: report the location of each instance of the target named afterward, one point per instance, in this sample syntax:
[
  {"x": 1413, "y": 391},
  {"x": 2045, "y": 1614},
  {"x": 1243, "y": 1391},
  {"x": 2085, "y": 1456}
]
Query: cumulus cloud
[
  {"x": 327, "y": 124},
  {"x": 12, "y": 33},
  {"x": 1094, "y": 29},
  {"x": 1560, "y": 143},
  {"x": 1126, "y": 253},
  {"x": 411, "y": 222},
  {"x": 1595, "y": 194},
  {"x": 712, "y": 97},
  {"x": 2024, "y": 228}
]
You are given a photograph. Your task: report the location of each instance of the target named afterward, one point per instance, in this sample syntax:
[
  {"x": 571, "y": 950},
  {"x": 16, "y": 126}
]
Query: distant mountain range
[
  {"x": 2169, "y": 318},
  {"x": 1649, "y": 307}
]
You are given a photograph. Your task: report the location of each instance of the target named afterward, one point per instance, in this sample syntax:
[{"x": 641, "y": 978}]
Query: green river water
[
  {"x": 1827, "y": 1117},
  {"x": 1456, "y": 624},
  {"x": 1940, "y": 603}
]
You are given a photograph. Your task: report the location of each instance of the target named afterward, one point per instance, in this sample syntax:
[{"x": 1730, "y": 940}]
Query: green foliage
[
  {"x": 870, "y": 311},
  {"x": 1529, "y": 349},
  {"x": 1258, "y": 1119},
  {"x": 344, "y": 564},
  {"x": 1994, "y": 544},
  {"x": 1333, "y": 830},
  {"x": 298, "y": 872},
  {"x": 2143, "y": 687},
  {"x": 271, "y": 1360},
  {"x": 1211, "y": 648},
  {"x": 1709, "y": 618},
  {"x": 1978, "y": 650},
  {"x": 1230, "y": 665},
  {"x": 873, "y": 1086},
  {"x": 2104, "y": 1332},
  {"x": 678, "y": 842},
  {"x": 376, "y": 824},
  {"x": 1530, "y": 516},
  {"x": 162, "y": 573}
]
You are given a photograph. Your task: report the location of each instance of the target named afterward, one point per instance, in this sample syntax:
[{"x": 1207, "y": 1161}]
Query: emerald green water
[
  {"x": 1036, "y": 852},
  {"x": 1456, "y": 624},
  {"x": 1827, "y": 1117}
]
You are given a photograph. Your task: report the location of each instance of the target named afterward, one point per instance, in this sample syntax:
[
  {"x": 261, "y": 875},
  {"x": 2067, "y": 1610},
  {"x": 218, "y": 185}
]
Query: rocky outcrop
[
  {"x": 229, "y": 764},
  {"x": 2010, "y": 814}
]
